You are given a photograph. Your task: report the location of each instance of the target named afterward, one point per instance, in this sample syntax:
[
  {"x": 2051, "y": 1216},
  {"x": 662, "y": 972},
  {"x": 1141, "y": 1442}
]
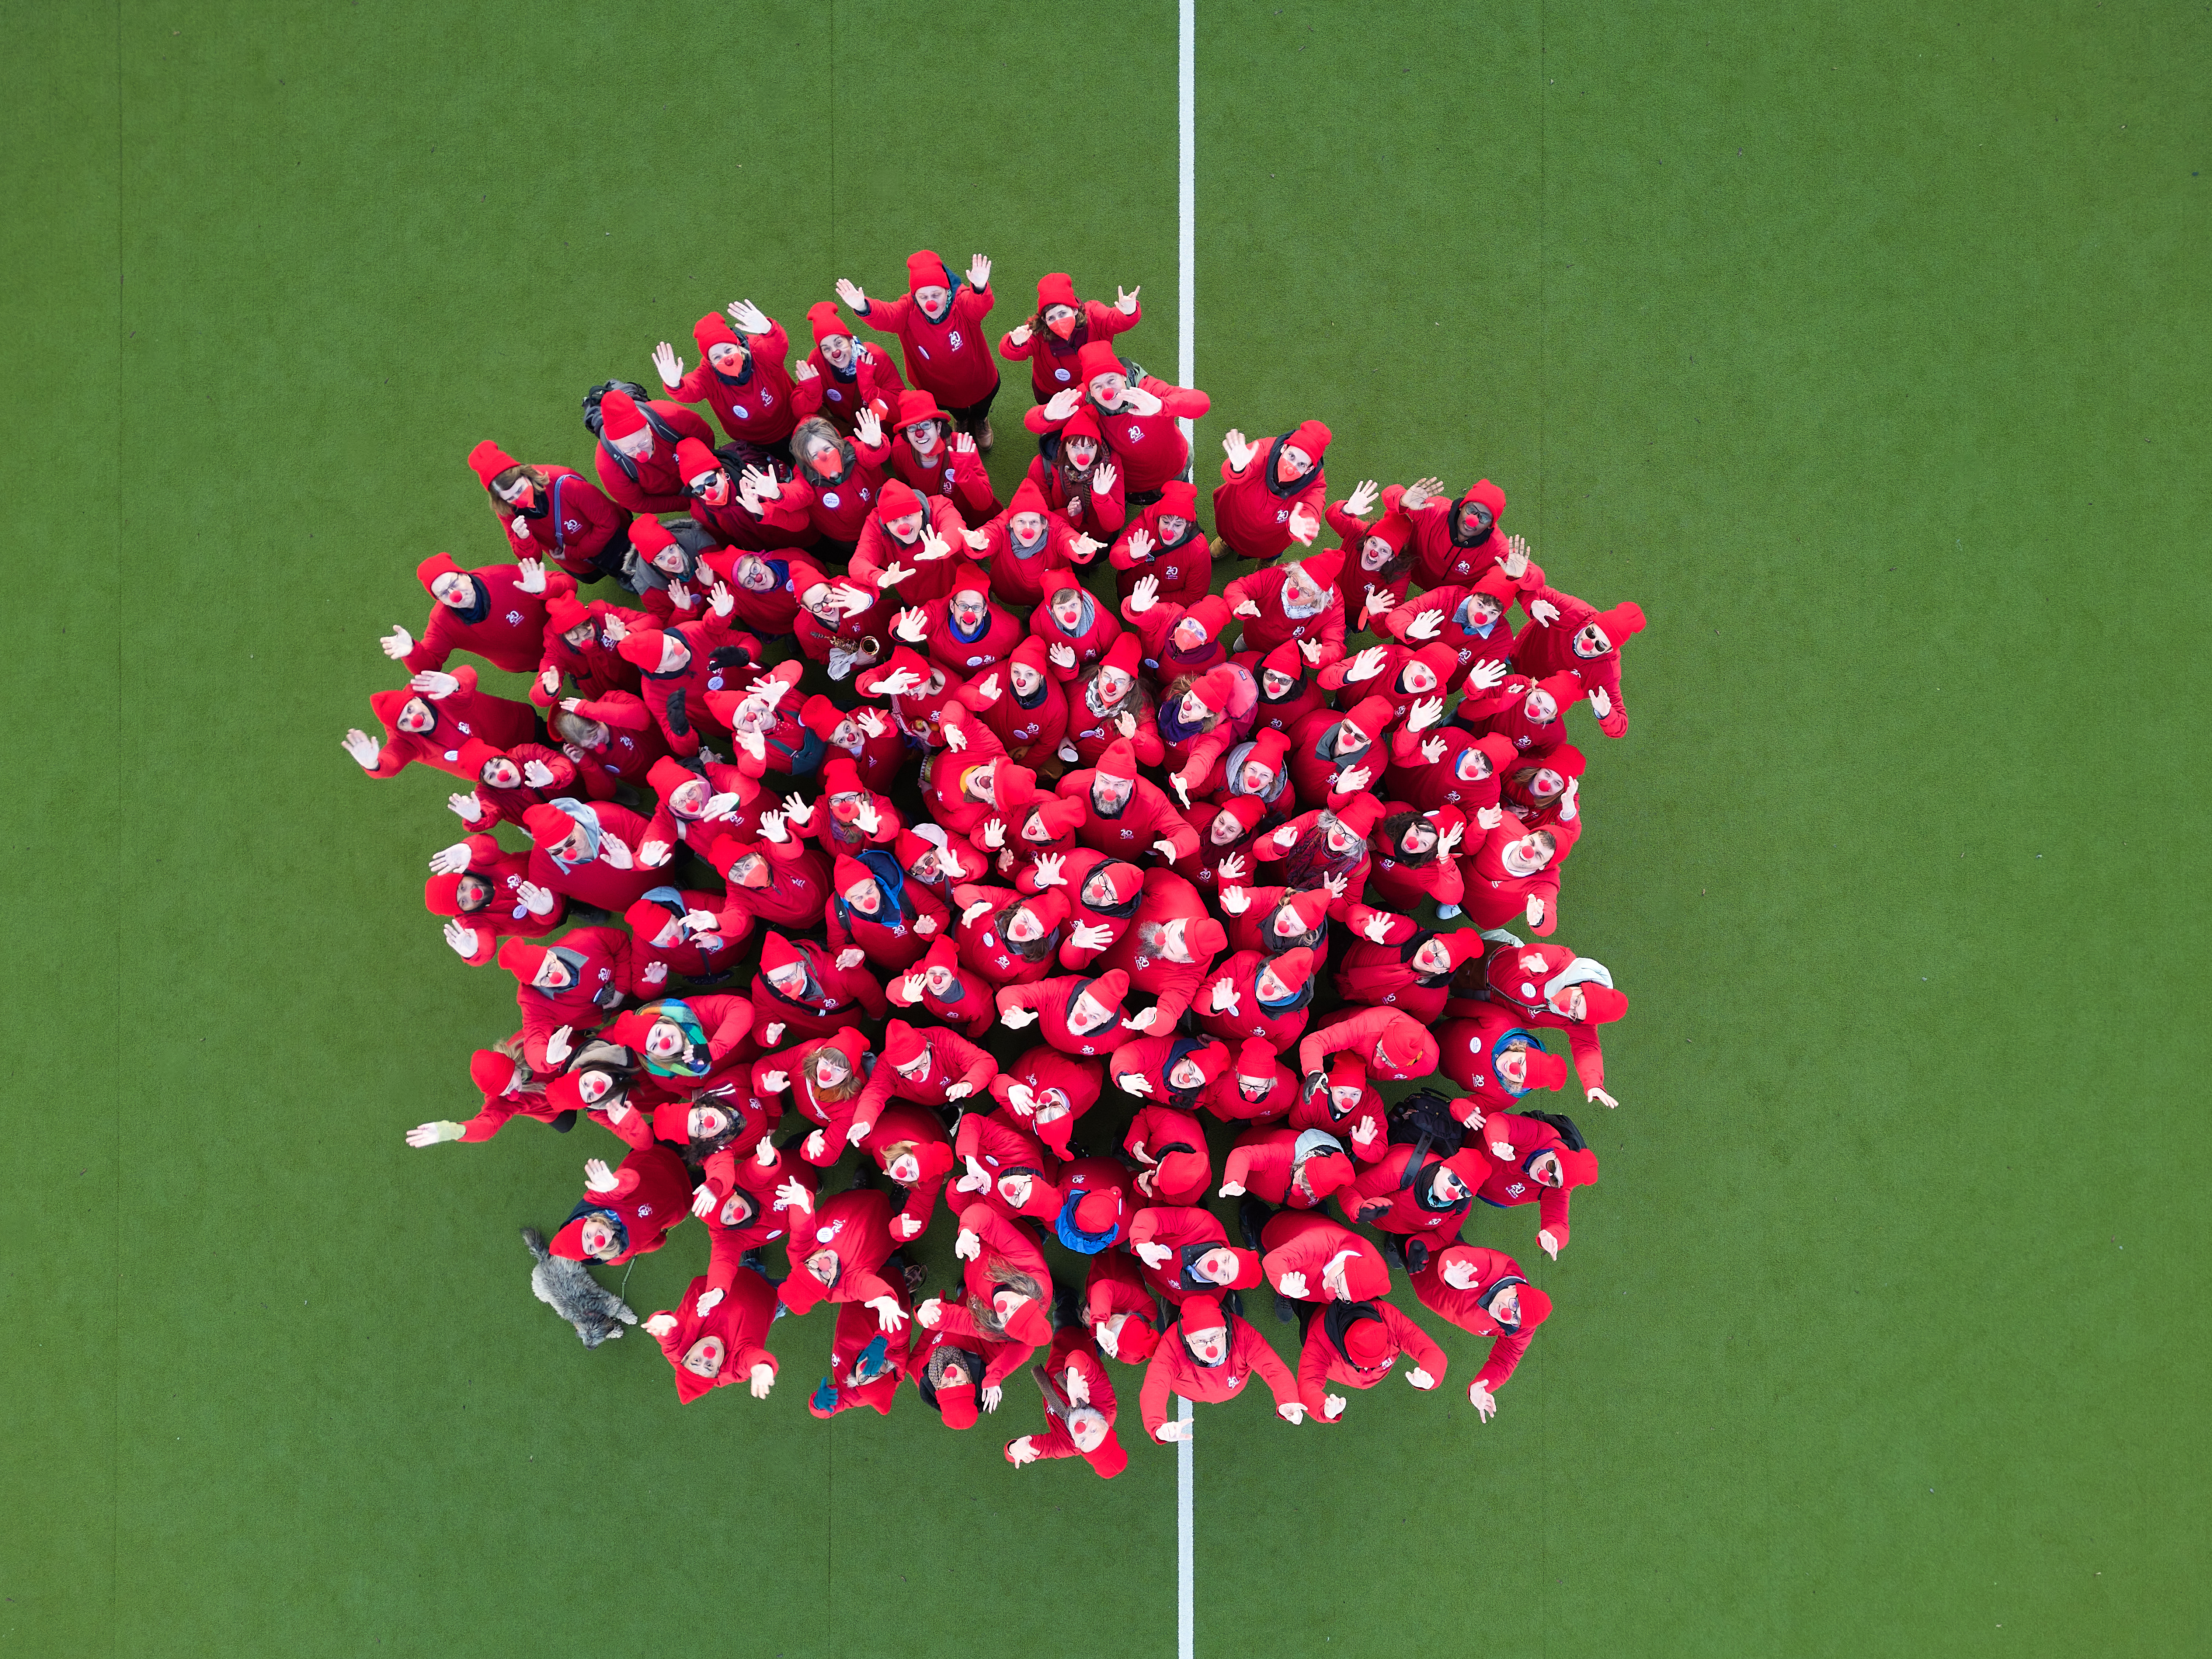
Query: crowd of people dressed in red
[{"x": 861, "y": 823}]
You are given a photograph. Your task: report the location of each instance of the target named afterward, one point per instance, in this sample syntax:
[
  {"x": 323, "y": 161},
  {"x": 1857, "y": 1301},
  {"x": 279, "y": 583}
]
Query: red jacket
[
  {"x": 1093, "y": 638},
  {"x": 681, "y": 721},
  {"x": 652, "y": 483},
  {"x": 1469, "y": 1309},
  {"x": 877, "y": 549},
  {"x": 1052, "y": 359},
  {"x": 1184, "y": 572},
  {"x": 1031, "y": 730},
  {"x": 598, "y": 958},
  {"x": 1280, "y": 1024},
  {"x": 1226, "y": 1097},
  {"x": 841, "y": 505},
  {"x": 1099, "y": 514},
  {"x": 504, "y": 915},
  {"x": 1323, "y": 1360},
  {"x": 903, "y": 1126},
  {"x": 1264, "y": 1162},
  {"x": 998, "y": 1142},
  {"x": 1075, "y": 1355},
  {"x": 598, "y": 879},
  {"x": 957, "y": 475},
  {"x": 858, "y": 1332},
  {"x": 893, "y": 941},
  {"x": 1364, "y": 1126},
  {"x": 1496, "y": 895},
  {"x": 737, "y": 1326},
  {"x": 832, "y": 998},
  {"x": 505, "y": 626},
  {"x": 1307, "y": 1245},
  {"x": 1018, "y": 572},
  {"x": 1149, "y": 449},
  {"x": 1542, "y": 649},
  {"x": 969, "y": 1005},
  {"x": 748, "y": 1214},
  {"x": 1063, "y": 1087},
  {"x": 1383, "y": 1199},
  {"x": 1173, "y": 1371},
  {"x": 466, "y": 713},
  {"x": 1169, "y": 1148},
  {"x": 1166, "y": 897},
  {"x": 494, "y": 1076},
  {"x": 1147, "y": 816},
  {"x": 855, "y": 1227},
  {"x": 1252, "y": 509},
  {"x": 953, "y": 1059},
  {"x": 1471, "y": 1046},
  {"x": 1414, "y": 779},
  {"x": 949, "y": 358},
  {"x": 570, "y": 522},
  {"x": 796, "y": 888},
  {"x": 1505, "y": 1181},
  {"x": 1052, "y": 998},
  {"x": 874, "y": 382},
  {"x": 1275, "y": 626},
  {"x": 652, "y": 1193},
  {"x": 1512, "y": 980},
  {"x": 1189, "y": 1233},
  {"x": 1440, "y": 555},
  {"x": 1115, "y": 1288},
  {"x": 754, "y": 405},
  {"x": 633, "y": 743},
  {"x": 1389, "y": 1043}
]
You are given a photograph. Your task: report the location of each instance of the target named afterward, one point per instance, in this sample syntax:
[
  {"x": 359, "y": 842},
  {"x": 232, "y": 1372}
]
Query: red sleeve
[
  {"x": 1416, "y": 1342},
  {"x": 1269, "y": 1366},
  {"x": 1160, "y": 1384},
  {"x": 1315, "y": 1358}
]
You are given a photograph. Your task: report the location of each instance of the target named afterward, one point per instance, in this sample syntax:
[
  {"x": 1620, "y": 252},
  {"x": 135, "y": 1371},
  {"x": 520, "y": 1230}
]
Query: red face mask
[{"x": 1062, "y": 327}]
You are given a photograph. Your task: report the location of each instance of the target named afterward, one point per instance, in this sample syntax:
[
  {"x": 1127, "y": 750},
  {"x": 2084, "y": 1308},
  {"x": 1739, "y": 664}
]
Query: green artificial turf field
[{"x": 1865, "y": 345}]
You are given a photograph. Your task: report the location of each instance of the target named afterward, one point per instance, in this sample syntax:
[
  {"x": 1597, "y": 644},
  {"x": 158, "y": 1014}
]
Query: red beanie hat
[
  {"x": 1310, "y": 906},
  {"x": 1321, "y": 568},
  {"x": 1095, "y": 359},
  {"x": 841, "y": 777},
  {"x": 1029, "y": 1324},
  {"x": 569, "y": 1242},
  {"x": 897, "y": 500},
  {"x": 1347, "y": 1071},
  {"x": 491, "y": 1072},
  {"x": 777, "y": 951},
  {"x": 915, "y": 407},
  {"x": 1256, "y": 1060},
  {"x": 1294, "y": 968},
  {"x": 956, "y": 1406},
  {"x": 849, "y": 873},
  {"x": 1028, "y": 498},
  {"x": 1204, "y": 937},
  {"x": 1058, "y": 579},
  {"x": 968, "y": 577},
  {"x": 1210, "y": 613},
  {"x": 907, "y": 658},
  {"x": 1621, "y": 621},
  {"x": 821, "y": 716},
  {"x": 694, "y": 460},
  {"x": 1178, "y": 500},
  {"x": 649, "y": 536},
  {"x": 1056, "y": 287},
  {"x": 1359, "y": 814},
  {"x": 1213, "y": 1058},
  {"x": 1486, "y": 494},
  {"x": 1312, "y": 437},
  {"x": 1099, "y": 1211},
  {"x": 1545, "y": 1069},
  {"x": 1031, "y": 654},
  {"x": 643, "y": 646},
  {"x": 521, "y": 958},
  {"x": 1012, "y": 786},
  {"x": 618, "y": 414},
  {"x": 1119, "y": 760},
  {"x": 437, "y": 565},
  {"x": 1371, "y": 717},
  {"x": 548, "y": 825},
  {"x": 1247, "y": 810},
  {"x": 1580, "y": 1167},
  {"x": 1394, "y": 528},
  {"x": 1049, "y": 907},
  {"x": 1326, "y": 1172},
  {"x": 911, "y": 847},
  {"x": 1406, "y": 1047},
  {"x": 903, "y": 1044},
  {"x": 565, "y": 611},
  {"x": 1108, "y": 989},
  {"x": 1463, "y": 943},
  {"x": 822, "y": 316},
  {"x": 1213, "y": 687},
  {"x": 926, "y": 270},
  {"x": 1566, "y": 689},
  {"x": 441, "y": 894},
  {"x": 1083, "y": 425},
  {"x": 1203, "y": 1313},
  {"x": 1125, "y": 881},
  {"x": 488, "y": 460},
  {"x": 1285, "y": 659},
  {"x": 1602, "y": 1005},
  {"x": 712, "y": 330},
  {"x": 1269, "y": 748},
  {"x": 476, "y": 755},
  {"x": 1367, "y": 1343},
  {"x": 1057, "y": 817},
  {"x": 944, "y": 953},
  {"x": 1125, "y": 654},
  {"x": 1138, "y": 1337}
]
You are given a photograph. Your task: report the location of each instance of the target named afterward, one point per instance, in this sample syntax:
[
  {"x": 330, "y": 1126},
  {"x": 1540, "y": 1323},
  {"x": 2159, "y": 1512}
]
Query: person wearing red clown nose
[
  {"x": 1177, "y": 639},
  {"x": 1377, "y": 557},
  {"x": 1008, "y": 938},
  {"x": 510, "y": 1089},
  {"x": 1549, "y": 985},
  {"x": 843, "y": 475},
  {"x": 573, "y": 983},
  {"x": 937, "y": 860},
  {"x": 1025, "y": 707},
  {"x": 922, "y": 694},
  {"x": 1119, "y": 1310},
  {"x": 1076, "y": 1013},
  {"x": 690, "y": 1046},
  {"x": 1078, "y": 1408},
  {"x": 669, "y": 573},
  {"x": 1396, "y": 962},
  {"x": 1008, "y": 1291},
  {"x": 1185, "y": 1252},
  {"x": 678, "y": 666},
  {"x": 725, "y": 1346},
  {"x": 1061, "y": 326},
  {"x": 1108, "y": 703},
  {"x": 1512, "y": 874},
  {"x": 1300, "y": 1168},
  {"x": 572, "y": 645},
  {"x": 756, "y": 510},
  {"x": 839, "y": 1258},
  {"x": 1203, "y": 718},
  {"x": 929, "y": 1065},
  {"x": 1288, "y": 689},
  {"x": 1530, "y": 715},
  {"x": 1495, "y": 1059},
  {"x": 1167, "y": 950},
  {"x": 1433, "y": 767},
  {"x": 1356, "y": 1344},
  {"x": 1128, "y": 816},
  {"x": 1048, "y": 1092},
  {"x": 1467, "y": 619},
  {"x": 1345, "y": 1106},
  {"x": 610, "y": 737},
  {"x": 1080, "y": 481},
  {"x": 1322, "y": 847},
  {"x": 432, "y": 721},
  {"x": 823, "y": 1077},
  {"x": 509, "y": 782},
  {"x": 865, "y": 1365},
  {"x": 742, "y": 378},
  {"x": 1309, "y": 1258},
  {"x": 907, "y": 543},
  {"x": 1389, "y": 1043},
  {"x": 1207, "y": 1356},
  {"x": 947, "y": 1366},
  {"x": 1413, "y": 857},
  {"x": 975, "y": 784},
  {"x": 1169, "y": 1147},
  {"x": 1336, "y": 756},
  {"x": 1255, "y": 995},
  {"x": 842, "y": 375},
  {"x": 1138, "y": 413},
  {"x": 1568, "y": 635},
  {"x": 862, "y": 736},
  {"x": 702, "y": 801},
  {"x": 1104, "y": 894},
  {"x": 626, "y": 1211},
  {"x": 1532, "y": 790},
  {"x": 939, "y": 986},
  {"x": 801, "y": 991},
  {"x": 963, "y": 630},
  {"x": 1485, "y": 1292},
  {"x": 553, "y": 513},
  {"x": 873, "y": 916},
  {"x": 1404, "y": 678},
  {"x": 850, "y": 816},
  {"x": 1005, "y": 1168},
  {"x": 748, "y": 1202},
  {"x": 635, "y": 456},
  {"x": 664, "y": 946},
  {"x": 1271, "y": 493},
  {"x": 1528, "y": 1160},
  {"x": 1227, "y": 832},
  {"x": 1176, "y": 1071},
  {"x": 1415, "y": 1192},
  {"x": 1025, "y": 544},
  {"x": 1259, "y": 1089},
  {"x": 1044, "y": 828},
  {"x": 496, "y": 611},
  {"x": 1293, "y": 604},
  {"x": 1165, "y": 543},
  {"x": 594, "y": 854},
  {"x": 777, "y": 880},
  {"x": 927, "y": 455},
  {"x": 488, "y": 893},
  {"x": 1097, "y": 1201},
  {"x": 939, "y": 324},
  {"x": 1453, "y": 541},
  {"x": 908, "y": 1145}
]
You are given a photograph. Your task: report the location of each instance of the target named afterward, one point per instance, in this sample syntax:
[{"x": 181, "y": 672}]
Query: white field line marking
[{"x": 1186, "y": 370}]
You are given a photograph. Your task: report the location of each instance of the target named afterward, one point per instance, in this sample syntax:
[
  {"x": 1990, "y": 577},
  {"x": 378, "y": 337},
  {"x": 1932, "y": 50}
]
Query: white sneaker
[{"x": 1446, "y": 912}]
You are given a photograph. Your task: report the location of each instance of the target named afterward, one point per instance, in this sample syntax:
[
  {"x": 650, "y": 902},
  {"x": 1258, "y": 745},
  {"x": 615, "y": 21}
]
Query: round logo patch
[{"x": 829, "y": 498}]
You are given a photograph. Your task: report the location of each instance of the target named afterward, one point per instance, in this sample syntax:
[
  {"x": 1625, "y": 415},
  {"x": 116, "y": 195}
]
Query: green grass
[{"x": 1865, "y": 346}]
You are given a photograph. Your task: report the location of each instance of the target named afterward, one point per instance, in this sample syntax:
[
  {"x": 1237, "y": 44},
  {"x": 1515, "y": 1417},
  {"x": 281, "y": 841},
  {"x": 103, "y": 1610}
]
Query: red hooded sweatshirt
[
  {"x": 1507, "y": 1180},
  {"x": 569, "y": 522},
  {"x": 1007, "y": 1153},
  {"x": 1173, "y": 1370},
  {"x": 652, "y": 1193},
  {"x": 1188, "y": 1234},
  {"x": 1275, "y": 625},
  {"x": 948, "y": 356},
  {"x": 755, "y": 404},
  {"x": 653, "y": 482},
  {"x": 1471, "y": 1308},
  {"x": 872, "y": 380},
  {"x": 954, "y": 469},
  {"x": 1053, "y": 999},
  {"x": 597, "y": 964},
  {"x": 503, "y": 623},
  {"x": 1073, "y": 1375},
  {"x": 1524, "y": 978},
  {"x": 1543, "y": 649},
  {"x": 832, "y": 998},
  {"x": 1252, "y": 508},
  {"x": 1471, "y": 1049},
  {"x": 1020, "y": 569},
  {"x": 1356, "y": 1344},
  {"x": 1184, "y": 568},
  {"x": 504, "y": 915},
  {"x": 1267, "y": 1163},
  {"x": 1169, "y": 1147},
  {"x": 1051, "y": 356},
  {"x": 1061, "y": 1089},
  {"x": 854, "y": 1226},
  {"x": 465, "y": 713}
]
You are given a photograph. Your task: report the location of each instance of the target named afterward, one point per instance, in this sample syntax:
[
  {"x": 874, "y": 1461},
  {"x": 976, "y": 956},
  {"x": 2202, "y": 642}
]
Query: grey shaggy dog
[{"x": 564, "y": 1286}]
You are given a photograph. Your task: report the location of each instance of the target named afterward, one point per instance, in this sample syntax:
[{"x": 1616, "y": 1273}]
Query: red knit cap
[
  {"x": 712, "y": 330},
  {"x": 912, "y": 661},
  {"x": 849, "y": 873},
  {"x": 522, "y": 958},
  {"x": 649, "y": 536},
  {"x": 1055, "y": 288},
  {"x": 1099, "y": 1211},
  {"x": 1256, "y": 1060},
  {"x": 488, "y": 460},
  {"x": 915, "y": 407},
  {"x": 1028, "y": 498},
  {"x": 777, "y": 951},
  {"x": 1213, "y": 688},
  {"x": 441, "y": 894},
  {"x": 643, "y": 646},
  {"x": 1393, "y": 528},
  {"x": 1545, "y": 1069},
  {"x": 569, "y": 1242},
  {"x": 1083, "y": 425},
  {"x": 1486, "y": 494},
  {"x": 1313, "y": 438},
  {"x": 548, "y": 825},
  {"x": 1621, "y": 621},
  {"x": 1321, "y": 568},
  {"x": 1463, "y": 943},
  {"x": 910, "y": 848},
  {"x": 1028, "y": 1323},
  {"x": 1178, "y": 500},
  {"x": 841, "y": 777},
  {"x": 565, "y": 611},
  {"x": 1124, "y": 881},
  {"x": 1126, "y": 654},
  {"x": 1031, "y": 654},
  {"x": 1095, "y": 359},
  {"x": 1247, "y": 810},
  {"x": 1367, "y": 1343},
  {"x": 1285, "y": 659},
  {"x": 1203, "y": 1313},
  {"x": 1049, "y": 907},
  {"x": 1370, "y": 717},
  {"x": 476, "y": 755},
  {"x": 1058, "y": 579},
  {"x": 1108, "y": 989},
  {"x": 1213, "y": 1058},
  {"x": 1566, "y": 689},
  {"x": 1602, "y": 1005},
  {"x": 1359, "y": 814},
  {"x": 1012, "y": 786},
  {"x": 822, "y": 316},
  {"x": 903, "y": 1044},
  {"x": 944, "y": 953},
  {"x": 1326, "y": 1172},
  {"x": 1210, "y": 613},
  {"x": 618, "y": 414},
  {"x": 1309, "y": 907},
  {"x": 694, "y": 460},
  {"x": 437, "y": 565},
  {"x": 1406, "y": 1048},
  {"x": 1347, "y": 1071},
  {"x": 1054, "y": 818},
  {"x": 926, "y": 270},
  {"x": 1269, "y": 748},
  {"x": 968, "y": 577},
  {"x": 1204, "y": 937},
  {"x": 1119, "y": 760},
  {"x": 491, "y": 1072},
  {"x": 1138, "y": 1337},
  {"x": 897, "y": 500},
  {"x": 821, "y": 716},
  {"x": 1294, "y": 968},
  {"x": 1580, "y": 1167},
  {"x": 956, "y": 1406}
]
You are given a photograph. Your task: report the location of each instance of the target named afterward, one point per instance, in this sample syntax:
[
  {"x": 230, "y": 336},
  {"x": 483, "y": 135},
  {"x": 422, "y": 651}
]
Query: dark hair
[{"x": 1393, "y": 832}]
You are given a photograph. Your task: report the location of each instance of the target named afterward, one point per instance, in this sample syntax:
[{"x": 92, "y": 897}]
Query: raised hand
[
  {"x": 851, "y": 294},
  {"x": 1046, "y": 872},
  {"x": 429, "y": 1134},
  {"x": 435, "y": 684},
  {"x": 703, "y": 1202},
  {"x": 1363, "y": 497},
  {"x": 1125, "y": 298},
  {"x": 1367, "y": 662},
  {"x": 1015, "y": 1018},
  {"x": 559, "y": 1045},
  {"x": 597, "y": 1177},
  {"x": 1063, "y": 404},
  {"x": 1550, "y": 1242},
  {"x": 888, "y": 1315},
  {"x": 1310, "y": 650},
  {"x": 536, "y": 773},
  {"x": 1304, "y": 526},
  {"x": 451, "y": 861},
  {"x": 1231, "y": 868},
  {"x": 868, "y": 427},
  {"x": 1235, "y": 900},
  {"x": 667, "y": 365},
  {"x": 1543, "y": 612},
  {"x": 749, "y": 317},
  {"x": 1426, "y": 626},
  {"x": 1146, "y": 594},
  {"x": 397, "y": 643},
  {"x": 1063, "y": 656},
  {"x": 911, "y": 625},
  {"x": 1102, "y": 480},
  {"x": 1516, "y": 562},
  {"x": 532, "y": 577},
  {"x": 850, "y": 958},
  {"x": 1600, "y": 702},
  {"x": 1419, "y": 493},
  {"x": 1425, "y": 713},
  {"x": 1293, "y": 1284},
  {"x": 979, "y": 272}
]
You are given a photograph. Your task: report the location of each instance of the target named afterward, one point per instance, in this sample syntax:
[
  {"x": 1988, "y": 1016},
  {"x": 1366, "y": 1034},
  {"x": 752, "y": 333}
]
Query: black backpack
[
  {"x": 1566, "y": 1126},
  {"x": 668, "y": 433},
  {"x": 1421, "y": 1120}
]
